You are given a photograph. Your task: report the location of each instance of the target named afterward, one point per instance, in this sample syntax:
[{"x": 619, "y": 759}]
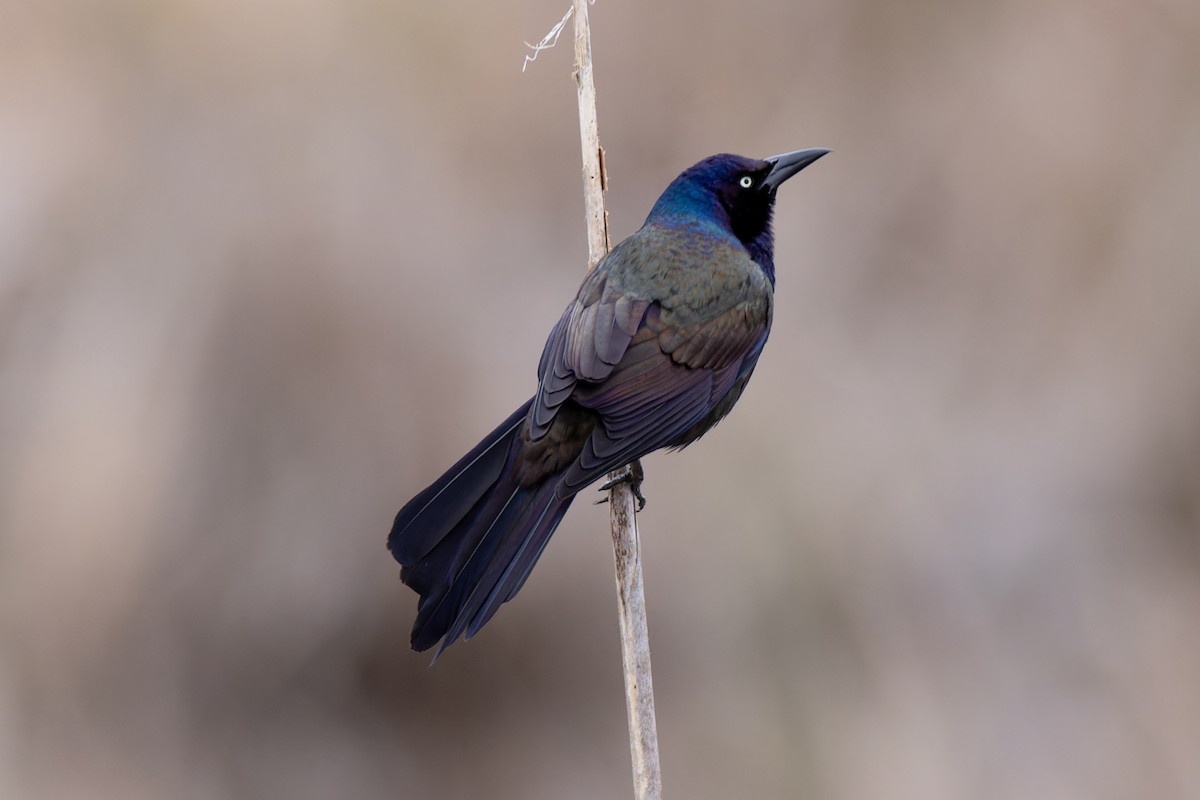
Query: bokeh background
[{"x": 266, "y": 268}]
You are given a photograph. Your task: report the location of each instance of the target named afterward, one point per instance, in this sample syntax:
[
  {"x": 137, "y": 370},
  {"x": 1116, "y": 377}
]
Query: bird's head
[{"x": 734, "y": 192}]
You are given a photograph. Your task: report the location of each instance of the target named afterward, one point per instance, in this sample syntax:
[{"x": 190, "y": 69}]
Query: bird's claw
[{"x": 632, "y": 474}]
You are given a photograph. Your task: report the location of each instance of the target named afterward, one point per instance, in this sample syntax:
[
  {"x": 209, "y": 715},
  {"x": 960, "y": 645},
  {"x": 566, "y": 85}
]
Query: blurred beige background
[{"x": 267, "y": 268}]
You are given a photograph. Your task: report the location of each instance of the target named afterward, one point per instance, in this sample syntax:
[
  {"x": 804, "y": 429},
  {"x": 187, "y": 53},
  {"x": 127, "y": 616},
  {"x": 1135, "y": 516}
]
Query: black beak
[{"x": 785, "y": 165}]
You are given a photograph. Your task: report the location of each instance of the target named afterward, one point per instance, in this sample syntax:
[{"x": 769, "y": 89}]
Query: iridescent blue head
[{"x": 734, "y": 194}]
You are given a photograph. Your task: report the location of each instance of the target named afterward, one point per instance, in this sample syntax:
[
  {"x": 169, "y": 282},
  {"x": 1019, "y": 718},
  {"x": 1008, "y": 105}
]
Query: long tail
[{"x": 468, "y": 542}]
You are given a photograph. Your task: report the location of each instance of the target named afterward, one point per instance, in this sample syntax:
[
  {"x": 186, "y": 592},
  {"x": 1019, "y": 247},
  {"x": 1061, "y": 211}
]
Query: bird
[{"x": 655, "y": 349}]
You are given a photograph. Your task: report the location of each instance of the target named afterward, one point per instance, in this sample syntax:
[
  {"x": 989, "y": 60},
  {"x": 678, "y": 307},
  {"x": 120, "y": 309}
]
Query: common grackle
[{"x": 654, "y": 350}]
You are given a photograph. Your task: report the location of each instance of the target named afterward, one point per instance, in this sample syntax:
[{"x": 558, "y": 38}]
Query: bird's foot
[{"x": 633, "y": 474}]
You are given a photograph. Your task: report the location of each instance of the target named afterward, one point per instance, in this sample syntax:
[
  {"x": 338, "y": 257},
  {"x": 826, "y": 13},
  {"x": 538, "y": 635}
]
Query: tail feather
[
  {"x": 454, "y": 578},
  {"x": 468, "y": 542},
  {"x": 430, "y": 515},
  {"x": 508, "y": 573},
  {"x": 521, "y": 531}
]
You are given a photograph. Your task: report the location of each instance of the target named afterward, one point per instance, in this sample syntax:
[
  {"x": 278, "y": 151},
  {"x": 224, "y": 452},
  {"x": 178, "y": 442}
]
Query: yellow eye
[{"x": 746, "y": 182}]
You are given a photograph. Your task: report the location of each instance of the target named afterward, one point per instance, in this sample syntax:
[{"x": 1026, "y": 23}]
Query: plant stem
[{"x": 631, "y": 599}]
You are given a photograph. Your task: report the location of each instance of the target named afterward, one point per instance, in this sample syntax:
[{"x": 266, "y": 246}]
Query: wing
[
  {"x": 667, "y": 383},
  {"x": 588, "y": 342},
  {"x": 651, "y": 361}
]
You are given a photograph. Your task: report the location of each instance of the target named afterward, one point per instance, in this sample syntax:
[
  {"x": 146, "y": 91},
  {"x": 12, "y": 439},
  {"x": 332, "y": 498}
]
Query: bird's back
[{"x": 693, "y": 270}]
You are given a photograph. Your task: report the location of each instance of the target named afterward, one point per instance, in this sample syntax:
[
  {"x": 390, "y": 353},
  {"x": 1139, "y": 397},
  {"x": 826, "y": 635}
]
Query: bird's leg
[{"x": 633, "y": 474}]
